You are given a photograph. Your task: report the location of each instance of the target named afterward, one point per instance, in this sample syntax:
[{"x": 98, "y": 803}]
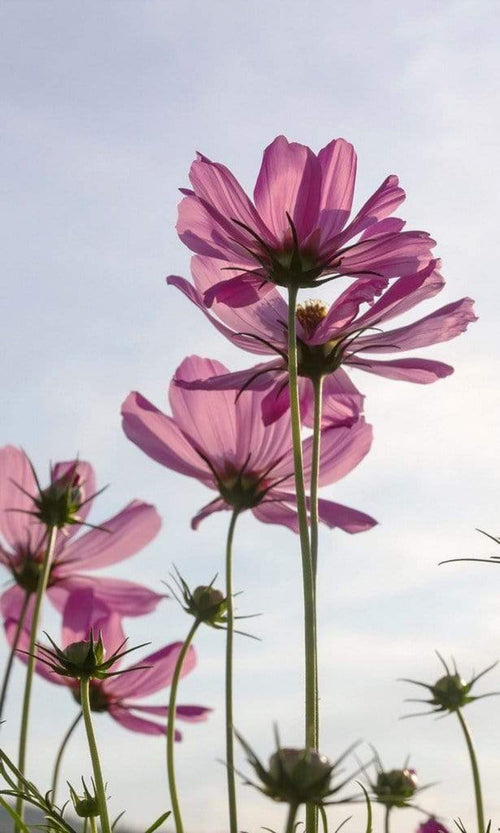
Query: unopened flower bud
[
  {"x": 451, "y": 692},
  {"x": 395, "y": 787},
  {"x": 208, "y": 603},
  {"x": 58, "y": 504},
  {"x": 86, "y": 805},
  {"x": 300, "y": 775},
  {"x": 85, "y": 655}
]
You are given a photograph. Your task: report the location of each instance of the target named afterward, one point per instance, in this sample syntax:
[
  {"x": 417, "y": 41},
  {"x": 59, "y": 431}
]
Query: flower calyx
[
  {"x": 450, "y": 692},
  {"x": 396, "y": 787},
  {"x": 205, "y": 603},
  {"x": 86, "y": 806},
  {"x": 85, "y": 659},
  {"x": 295, "y": 776}
]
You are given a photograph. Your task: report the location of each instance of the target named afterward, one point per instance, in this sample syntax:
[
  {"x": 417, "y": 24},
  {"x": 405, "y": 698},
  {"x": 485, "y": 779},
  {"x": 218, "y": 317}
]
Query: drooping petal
[
  {"x": 190, "y": 714},
  {"x": 403, "y": 295},
  {"x": 157, "y": 675},
  {"x": 239, "y": 291},
  {"x": 118, "y": 538},
  {"x": 217, "y": 505},
  {"x": 123, "y": 597},
  {"x": 259, "y": 377},
  {"x": 276, "y": 512},
  {"x": 342, "y": 403},
  {"x": 389, "y": 255},
  {"x": 338, "y": 176},
  {"x": 341, "y": 451},
  {"x": 17, "y": 527},
  {"x": 420, "y": 371},
  {"x": 289, "y": 182},
  {"x": 336, "y": 515},
  {"x": 441, "y": 325},
  {"x": 160, "y": 438}
]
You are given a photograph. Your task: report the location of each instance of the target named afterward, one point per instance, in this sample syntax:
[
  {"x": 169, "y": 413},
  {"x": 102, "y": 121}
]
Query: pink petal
[
  {"x": 11, "y": 603},
  {"x": 338, "y": 176},
  {"x": 277, "y": 512},
  {"x": 137, "y": 724},
  {"x": 442, "y": 325},
  {"x": 342, "y": 402},
  {"x": 191, "y": 714},
  {"x": 23, "y": 645},
  {"x": 207, "y": 417},
  {"x": 239, "y": 291},
  {"x": 403, "y": 295},
  {"x": 197, "y": 229},
  {"x": 335, "y": 515},
  {"x": 217, "y": 505},
  {"x": 289, "y": 181},
  {"x": 259, "y": 378},
  {"x": 123, "y": 597},
  {"x": 160, "y": 438},
  {"x": 158, "y": 675},
  {"x": 389, "y": 255},
  {"x": 17, "y": 527},
  {"x": 346, "y": 307},
  {"x": 381, "y": 204},
  {"x": 84, "y": 612},
  {"x": 390, "y": 225},
  {"x": 421, "y": 371},
  {"x": 119, "y": 538},
  {"x": 341, "y": 451},
  {"x": 86, "y": 482}
]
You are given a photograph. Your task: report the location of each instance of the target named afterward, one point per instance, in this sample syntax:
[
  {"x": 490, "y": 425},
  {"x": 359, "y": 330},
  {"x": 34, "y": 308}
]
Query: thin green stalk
[
  {"x": 93, "y": 825},
  {"x": 94, "y": 755},
  {"x": 315, "y": 466},
  {"x": 40, "y": 593},
  {"x": 231, "y": 781},
  {"x": 8, "y": 669},
  {"x": 475, "y": 773},
  {"x": 307, "y": 567},
  {"x": 62, "y": 748},
  {"x": 171, "y": 728},
  {"x": 387, "y": 818},
  {"x": 290, "y": 822}
]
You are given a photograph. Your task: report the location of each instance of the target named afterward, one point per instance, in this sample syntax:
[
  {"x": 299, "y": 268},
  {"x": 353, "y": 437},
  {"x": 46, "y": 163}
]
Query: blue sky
[{"x": 103, "y": 107}]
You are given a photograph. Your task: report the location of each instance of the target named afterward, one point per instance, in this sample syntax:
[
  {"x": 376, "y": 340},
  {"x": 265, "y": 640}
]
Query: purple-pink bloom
[
  {"x": 117, "y": 695},
  {"x": 432, "y": 825},
  {"x": 347, "y": 335},
  {"x": 118, "y": 538},
  {"x": 217, "y": 439},
  {"x": 297, "y": 230}
]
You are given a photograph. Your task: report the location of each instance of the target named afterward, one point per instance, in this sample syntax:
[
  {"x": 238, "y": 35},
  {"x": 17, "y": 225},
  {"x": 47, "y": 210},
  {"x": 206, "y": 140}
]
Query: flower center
[{"x": 310, "y": 314}]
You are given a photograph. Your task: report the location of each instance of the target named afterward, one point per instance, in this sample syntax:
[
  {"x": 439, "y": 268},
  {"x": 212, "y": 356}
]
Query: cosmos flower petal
[
  {"x": 338, "y": 176},
  {"x": 420, "y": 371},
  {"x": 153, "y": 673}
]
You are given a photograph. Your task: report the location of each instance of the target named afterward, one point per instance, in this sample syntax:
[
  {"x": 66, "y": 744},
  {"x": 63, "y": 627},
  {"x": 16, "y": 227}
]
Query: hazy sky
[{"x": 103, "y": 108}]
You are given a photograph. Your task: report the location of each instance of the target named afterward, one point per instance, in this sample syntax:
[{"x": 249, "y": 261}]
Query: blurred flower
[
  {"x": 117, "y": 693},
  {"x": 450, "y": 692},
  {"x": 220, "y": 442},
  {"x": 329, "y": 340},
  {"x": 395, "y": 787},
  {"x": 87, "y": 805},
  {"x": 432, "y": 825},
  {"x": 24, "y": 534},
  {"x": 297, "y": 233},
  {"x": 205, "y": 603}
]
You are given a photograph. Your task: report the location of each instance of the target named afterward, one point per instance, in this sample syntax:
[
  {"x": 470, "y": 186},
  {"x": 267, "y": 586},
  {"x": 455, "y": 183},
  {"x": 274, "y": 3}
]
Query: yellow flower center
[{"x": 310, "y": 314}]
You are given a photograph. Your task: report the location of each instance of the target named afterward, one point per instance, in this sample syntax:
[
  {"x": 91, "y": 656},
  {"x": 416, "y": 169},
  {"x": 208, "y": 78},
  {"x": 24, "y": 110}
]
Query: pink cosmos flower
[
  {"x": 220, "y": 442},
  {"x": 25, "y": 538},
  {"x": 117, "y": 695},
  {"x": 297, "y": 230},
  {"x": 343, "y": 336},
  {"x": 432, "y": 825}
]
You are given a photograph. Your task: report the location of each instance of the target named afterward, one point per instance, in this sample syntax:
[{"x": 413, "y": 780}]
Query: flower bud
[
  {"x": 208, "y": 604},
  {"x": 300, "y": 775},
  {"x": 86, "y": 655},
  {"x": 395, "y": 787},
  {"x": 58, "y": 504},
  {"x": 451, "y": 692},
  {"x": 87, "y": 805}
]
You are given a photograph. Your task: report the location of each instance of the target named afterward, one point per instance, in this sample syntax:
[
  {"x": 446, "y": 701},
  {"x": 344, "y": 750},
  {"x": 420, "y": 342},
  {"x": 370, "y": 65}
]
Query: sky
[{"x": 103, "y": 106}]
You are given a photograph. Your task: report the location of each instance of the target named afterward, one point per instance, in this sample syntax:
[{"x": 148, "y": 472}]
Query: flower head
[
  {"x": 450, "y": 692},
  {"x": 218, "y": 440},
  {"x": 112, "y": 688},
  {"x": 297, "y": 232},
  {"x": 87, "y": 805},
  {"x": 69, "y": 494},
  {"x": 346, "y": 336}
]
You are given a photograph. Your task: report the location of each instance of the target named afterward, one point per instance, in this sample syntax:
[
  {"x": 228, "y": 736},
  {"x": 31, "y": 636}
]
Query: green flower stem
[
  {"x": 93, "y": 825},
  {"x": 40, "y": 593},
  {"x": 311, "y": 694},
  {"x": 318, "y": 401},
  {"x": 290, "y": 822},
  {"x": 62, "y": 748},
  {"x": 475, "y": 772},
  {"x": 171, "y": 728},
  {"x": 8, "y": 668},
  {"x": 94, "y": 755},
  {"x": 231, "y": 781},
  {"x": 387, "y": 818}
]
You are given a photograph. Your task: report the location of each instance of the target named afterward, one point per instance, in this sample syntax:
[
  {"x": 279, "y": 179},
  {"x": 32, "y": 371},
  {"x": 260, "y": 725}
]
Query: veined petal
[
  {"x": 123, "y": 597},
  {"x": 403, "y": 295},
  {"x": 338, "y": 176},
  {"x": 17, "y": 527},
  {"x": 391, "y": 255},
  {"x": 345, "y": 309},
  {"x": 137, "y": 724},
  {"x": 148, "y": 680},
  {"x": 341, "y": 451},
  {"x": 240, "y": 291},
  {"x": 336, "y": 515},
  {"x": 276, "y": 512},
  {"x": 380, "y": 205},
  {"x": 442, "y": 325},
  {"x": 289, "y": 182},
  {"x": 342, "y": 402},
  {"x": 84, "y": 612},
  {"x": 118, "y": 538},
  {"x": 198, "y": 230},
  {"x": 217, "y": 505},
  {"x": 160, "y": 438},
  {"x": 421, "y": 371}
]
